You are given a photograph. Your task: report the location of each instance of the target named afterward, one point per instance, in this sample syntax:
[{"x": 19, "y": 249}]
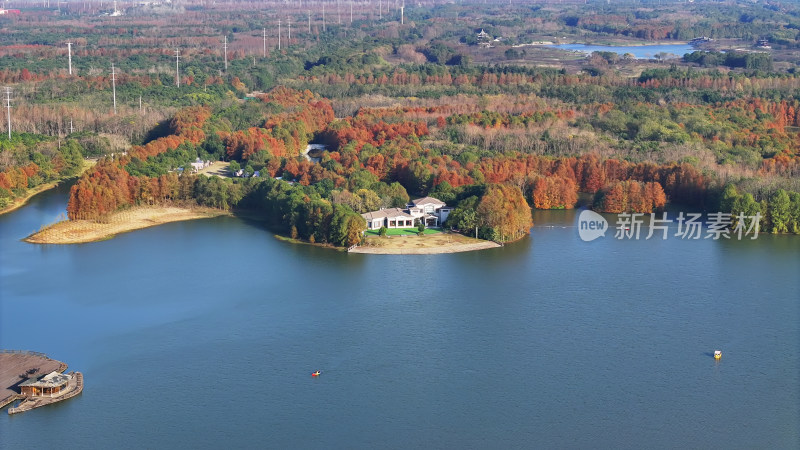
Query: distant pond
[{"x": 638, "y": 51}]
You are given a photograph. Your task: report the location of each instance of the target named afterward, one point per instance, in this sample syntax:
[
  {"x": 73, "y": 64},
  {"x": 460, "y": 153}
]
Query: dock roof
[{"x": 52, "y": 379}]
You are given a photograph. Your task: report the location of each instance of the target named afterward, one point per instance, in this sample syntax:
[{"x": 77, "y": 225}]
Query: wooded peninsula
[{"x": 462, "y": 102}]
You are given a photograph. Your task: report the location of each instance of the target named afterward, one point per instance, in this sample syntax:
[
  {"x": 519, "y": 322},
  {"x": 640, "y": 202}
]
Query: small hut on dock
[{"x": 49, "y": 385}]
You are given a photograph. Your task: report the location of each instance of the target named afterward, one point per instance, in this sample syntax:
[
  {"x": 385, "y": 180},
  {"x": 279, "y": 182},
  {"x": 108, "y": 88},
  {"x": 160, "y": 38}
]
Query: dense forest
[{"x": 407, "y": 109}]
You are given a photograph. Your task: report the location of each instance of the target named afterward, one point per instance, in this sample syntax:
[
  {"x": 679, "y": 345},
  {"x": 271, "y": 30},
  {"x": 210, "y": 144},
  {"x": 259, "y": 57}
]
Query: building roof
[
  {"x": 389, "y": 213},
  {"x": 427, "y": 200},
  {"x": 52, "y": 379}
]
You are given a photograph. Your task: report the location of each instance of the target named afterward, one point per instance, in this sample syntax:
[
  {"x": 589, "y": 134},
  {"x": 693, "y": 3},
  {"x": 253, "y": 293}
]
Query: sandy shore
[
  {"x": 80, "y": 231},
  {"x": 423, "y": 245}
]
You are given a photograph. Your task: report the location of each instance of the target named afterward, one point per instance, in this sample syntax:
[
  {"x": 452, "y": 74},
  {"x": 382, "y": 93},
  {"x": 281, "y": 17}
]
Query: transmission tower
[
  {"x": 225, "y": 48},
  {"x": 69, "y": 55},
  {"x": 114, "y": 87},
  {"x": 8, "y": 110},
  {"x": 177, "y": 69}
]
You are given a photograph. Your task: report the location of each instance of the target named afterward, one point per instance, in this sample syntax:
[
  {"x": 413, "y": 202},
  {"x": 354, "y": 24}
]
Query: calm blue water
[
  {"x": 639, "y": 51},
  {"x": 204, "y": 334}
]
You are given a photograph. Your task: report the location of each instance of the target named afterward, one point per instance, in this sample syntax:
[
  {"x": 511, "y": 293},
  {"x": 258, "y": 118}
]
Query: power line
[
  {"x": 69, "y": 52},
  {"x": 177, "y": 69},
  {"x": 114, "y": 87},
  {"x": 8, "y": 110}
]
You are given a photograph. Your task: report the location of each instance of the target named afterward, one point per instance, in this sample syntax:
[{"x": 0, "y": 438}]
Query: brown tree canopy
[{"x": 503, "y": 208}]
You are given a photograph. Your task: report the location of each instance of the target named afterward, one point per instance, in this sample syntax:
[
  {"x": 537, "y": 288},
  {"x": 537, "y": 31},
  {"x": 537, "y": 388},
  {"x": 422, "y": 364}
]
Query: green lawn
[{"x": 403, "y": 231}]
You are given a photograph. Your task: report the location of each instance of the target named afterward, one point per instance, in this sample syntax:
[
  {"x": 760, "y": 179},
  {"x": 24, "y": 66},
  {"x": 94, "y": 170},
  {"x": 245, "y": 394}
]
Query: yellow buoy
[{"x": 717, "y": 354}]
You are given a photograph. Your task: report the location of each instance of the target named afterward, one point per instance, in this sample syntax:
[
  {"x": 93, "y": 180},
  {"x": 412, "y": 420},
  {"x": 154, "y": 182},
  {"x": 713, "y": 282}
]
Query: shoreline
[
  {"x": 137, "y": 218},
  {"x": 426, "y": 251},
  {"x": 140, "y": 217},
  {"x": 18, "y": 203},
  {"x": 433, "y": 244},
  {"x": 291, "y": 240},
  {"x": 22, "y": 201},
  {"x": 406, "y": 245}
]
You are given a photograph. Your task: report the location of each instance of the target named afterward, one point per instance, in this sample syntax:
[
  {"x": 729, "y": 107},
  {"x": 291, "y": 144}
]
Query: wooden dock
[
  {"x": 17, "y": 366},
  {"x": 74, "y": 387}
]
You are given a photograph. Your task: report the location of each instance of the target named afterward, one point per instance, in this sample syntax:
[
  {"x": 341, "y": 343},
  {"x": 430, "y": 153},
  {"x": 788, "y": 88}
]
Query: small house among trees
[
  {"x": 428, "y": 210},
  {"x": 484, "y": 39}
]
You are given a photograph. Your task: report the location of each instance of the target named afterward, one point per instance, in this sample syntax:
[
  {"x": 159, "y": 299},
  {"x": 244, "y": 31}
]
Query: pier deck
[
  {"x": 74, "y": 387},
  {"x": 15, "y": 363}
]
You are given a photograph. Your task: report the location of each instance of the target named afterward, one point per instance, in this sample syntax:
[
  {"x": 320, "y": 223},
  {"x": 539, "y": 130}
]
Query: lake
[
  {"x": 204, "y": 334},
  {"x": 638, "y": 51}
]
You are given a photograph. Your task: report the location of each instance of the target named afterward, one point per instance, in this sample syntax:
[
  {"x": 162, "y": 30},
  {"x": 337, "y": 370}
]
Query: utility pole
[
  {"x": 177, "y": 70},
  {"x": 225, "y": 48},
  {"x": 289, "y": 26},
  {"x": 380, "y": 10},
  {"x": 402, "y": 13},
  {"x": 279, "y": 34},
  {"x": 114, "y": 87},
  {"x": 265, "y": 42},
  {"x": 8, "y": 110},
  {"x": 309, "y": 21},
  {"x": 323, "y": 17},
  {"x": 69, "y": 53},
  {"x": 338, "y": 12}
]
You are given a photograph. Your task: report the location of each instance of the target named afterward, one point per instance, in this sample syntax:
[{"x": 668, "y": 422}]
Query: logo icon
[{"x": 591, "y": 225}]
